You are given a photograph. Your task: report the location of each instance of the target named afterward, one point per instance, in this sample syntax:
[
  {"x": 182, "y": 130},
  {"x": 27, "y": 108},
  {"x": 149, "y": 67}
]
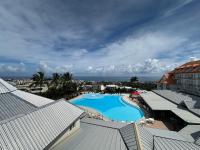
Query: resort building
[
  {"x": 30, "y": 122},
  {"x": 181, "y": 110},
  {"x": 185, "y": 78}
]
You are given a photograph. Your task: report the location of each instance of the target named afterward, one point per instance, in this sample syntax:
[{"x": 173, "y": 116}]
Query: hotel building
[{"x": 185, "y": 78}]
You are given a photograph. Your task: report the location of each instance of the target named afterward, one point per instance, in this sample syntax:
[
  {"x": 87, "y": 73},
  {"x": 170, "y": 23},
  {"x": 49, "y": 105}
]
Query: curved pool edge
[
  {"x": 127, "y": 101},
  {"x": 122, "y": 99}
]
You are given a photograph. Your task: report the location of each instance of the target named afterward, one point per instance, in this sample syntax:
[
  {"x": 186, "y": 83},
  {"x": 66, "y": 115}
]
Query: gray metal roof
[
  {"x": 173, "y": 96},
  {"x": 197, "y": 141},
  {"x": 161, "y": 143},
  {"x": 32, "y": 98},
  {"x": 166, "y": 134},
  {"x": 110, "y": 124},
  {"x": 192, "y": 102},
  {"x": 93, "y": 137},
  {"x": 191, "y": 132},
  {"x": 129, "y": 136},
  {"x": 11, "y": 105},
  {"x": 5, "y": 87},
  {"x": 127, "y": 131},
  {"x": 163, "y": 140},
  {"x": 146, "y": 138},
  {"x": 156, "y": 102},
  {"x": 193, "y": 106},
  {"x": 37, "y": 129}
]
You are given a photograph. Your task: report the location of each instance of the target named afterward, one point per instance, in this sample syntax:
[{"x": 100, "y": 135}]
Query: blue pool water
[{"x": 110, "y": 106}]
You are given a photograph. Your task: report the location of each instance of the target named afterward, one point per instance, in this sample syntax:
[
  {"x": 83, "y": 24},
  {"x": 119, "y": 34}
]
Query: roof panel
[
  {"x": 32, "y": 98},
  {"x": 46, "y": 120},
  {"x": 11, "y": 105},
  {"x": 191, "y": 132},
  {"x": 128, "y": 134},
  {"x": 5, "y": 87},
  {"x": 169, "y": 144},
  {"x": 157, "y": 102},
  {"x": 111, "y": 124},
  {"x": 92, "y": 136}
]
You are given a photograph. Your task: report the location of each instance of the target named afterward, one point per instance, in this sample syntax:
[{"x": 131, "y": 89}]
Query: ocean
[
  {"x": 101, "y": 78},
  {"x": 116, "y": 78}
]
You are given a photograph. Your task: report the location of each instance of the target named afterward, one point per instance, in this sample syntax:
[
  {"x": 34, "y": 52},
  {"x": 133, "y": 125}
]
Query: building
[
  {"x": 184, "y": 78},
  {"x": 30, "y": 122}
]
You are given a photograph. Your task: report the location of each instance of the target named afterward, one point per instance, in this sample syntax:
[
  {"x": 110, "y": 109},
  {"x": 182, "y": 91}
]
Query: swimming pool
[{"x": 111, "y": 106}]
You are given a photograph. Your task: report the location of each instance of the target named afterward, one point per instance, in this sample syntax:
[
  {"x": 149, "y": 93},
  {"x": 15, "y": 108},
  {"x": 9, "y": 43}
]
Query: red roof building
[{"x": 184, "y": 78}]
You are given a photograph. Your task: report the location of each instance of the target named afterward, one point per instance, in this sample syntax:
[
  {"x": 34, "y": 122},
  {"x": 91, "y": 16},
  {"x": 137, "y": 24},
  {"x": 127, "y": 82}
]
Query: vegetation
[
  {"x": 61, "y": 85},
  {"x": 140, "y": 85},
  {"x": 118, "y": 90},
  {"x": 39, "y": 80},
  {"x": 134, "y": 79}
]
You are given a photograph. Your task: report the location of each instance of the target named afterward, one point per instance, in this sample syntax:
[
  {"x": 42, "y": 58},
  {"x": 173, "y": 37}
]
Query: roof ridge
[
  {"x": 22, "y": 99},
  {"x": 9, "y": 89},
  {"x": 171, "y": 138},
  {"x": 100, "y": 125},
  {"x": 27, "y": 113},
  {"x": 132, "y": 125}
]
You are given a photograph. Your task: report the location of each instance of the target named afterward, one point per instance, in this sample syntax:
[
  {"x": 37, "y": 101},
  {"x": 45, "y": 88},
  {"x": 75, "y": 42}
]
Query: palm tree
[
  {"x": 134, "y": 79},
  {"x": 66, "y": 77},
  {"x": 55, "y": 80},
  {"x": 39, "y": 80}
]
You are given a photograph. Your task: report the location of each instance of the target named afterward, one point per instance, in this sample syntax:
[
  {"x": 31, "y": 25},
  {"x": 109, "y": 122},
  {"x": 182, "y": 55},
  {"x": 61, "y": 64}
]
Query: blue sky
[{"x": 107, "y": 37}]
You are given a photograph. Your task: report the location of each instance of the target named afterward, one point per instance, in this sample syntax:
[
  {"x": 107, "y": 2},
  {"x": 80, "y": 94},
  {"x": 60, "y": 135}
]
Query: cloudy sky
[{"x": 90, "y": 37}]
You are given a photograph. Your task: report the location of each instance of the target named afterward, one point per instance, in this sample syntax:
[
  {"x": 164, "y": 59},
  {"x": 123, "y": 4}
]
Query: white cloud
[
  {"x": 149, "y": 66},
  {"x": 56, "y": 43},
  {"x": 12, "y": 68},
  {"x": 48, "y": 69}
]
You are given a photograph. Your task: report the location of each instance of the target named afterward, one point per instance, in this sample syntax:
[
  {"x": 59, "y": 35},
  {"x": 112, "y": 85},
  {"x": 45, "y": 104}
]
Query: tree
[
  {"x": 39, "y": 80},
  {"x": 66, "y": 77},
  {"x": 55, "y": 79},
  {"x": 134, "y": 79}
]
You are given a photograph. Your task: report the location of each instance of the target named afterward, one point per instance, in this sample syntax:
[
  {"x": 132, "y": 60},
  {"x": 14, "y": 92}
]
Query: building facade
[{"x": 184, "y": 78}]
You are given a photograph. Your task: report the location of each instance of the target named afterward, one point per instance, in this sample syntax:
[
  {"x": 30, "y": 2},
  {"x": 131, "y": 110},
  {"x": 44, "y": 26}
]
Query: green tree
[
  {"x": 55, "y": 79},
  {"x": 39, "y": 80},
  {"x": 134, "y": 79},
  {"x": 66, "y": 77}
]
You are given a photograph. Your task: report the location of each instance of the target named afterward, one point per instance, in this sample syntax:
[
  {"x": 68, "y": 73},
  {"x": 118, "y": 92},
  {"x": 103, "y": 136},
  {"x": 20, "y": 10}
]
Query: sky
[{"x": 98, "y": 38}]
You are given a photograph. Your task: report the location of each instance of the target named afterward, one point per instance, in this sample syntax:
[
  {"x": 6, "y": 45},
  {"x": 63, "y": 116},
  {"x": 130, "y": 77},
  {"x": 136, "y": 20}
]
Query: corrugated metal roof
[
  {"x": 5, "y": 87},
  {"x": 193, "y": 106},
  {"x": 156, "y": 102},
  {"x": 161, "y": 143},
  {"x": 192, "y": 102},
  {"x": 191, "y": 132},
  {"x": 93, "y": 137},
  {"x": 186, "y": 115},
  {"x": 148, "y": 136},
  {"x": 129, "y": 137},
  {"x": 197, "y": 141},
  {"x": 39, "y": 128},
  {"x": 11, "y": 105},
  {"x": 33, "y": 99},
  {"x": 173, "y": 96},
  {"x": 110, "y": 124},
  {"x": 166, "y": 134}
]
